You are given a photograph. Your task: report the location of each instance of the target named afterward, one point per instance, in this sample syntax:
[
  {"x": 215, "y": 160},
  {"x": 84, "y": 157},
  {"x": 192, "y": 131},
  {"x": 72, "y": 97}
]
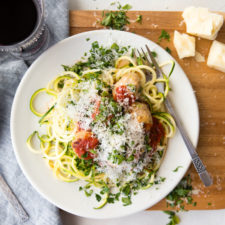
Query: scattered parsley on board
[
  {"x": 181, "y": 195},
  {"x": 168, "y": 50},
  {"x": 118, "y": 19},
  {"x": 164, "y": 35}
]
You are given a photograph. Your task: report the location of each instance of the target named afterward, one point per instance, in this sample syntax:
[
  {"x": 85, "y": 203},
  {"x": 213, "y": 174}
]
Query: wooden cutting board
[{"x": 209, "y": 86}]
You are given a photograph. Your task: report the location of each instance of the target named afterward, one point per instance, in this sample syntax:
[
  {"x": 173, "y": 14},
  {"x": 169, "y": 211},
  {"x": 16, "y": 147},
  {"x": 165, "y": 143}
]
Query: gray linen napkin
[{"x": 40, "y": 211}]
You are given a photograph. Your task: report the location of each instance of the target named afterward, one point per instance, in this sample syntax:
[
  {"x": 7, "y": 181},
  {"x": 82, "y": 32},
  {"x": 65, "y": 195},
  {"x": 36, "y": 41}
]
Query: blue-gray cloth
[{"x": 40, "y": 211}]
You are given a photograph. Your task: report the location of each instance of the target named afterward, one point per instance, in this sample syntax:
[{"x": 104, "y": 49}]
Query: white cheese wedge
[
  {"x": 202, "y": 23},
  {"x": 184, "y": 44},
  {"x": 216, "y": 58}
]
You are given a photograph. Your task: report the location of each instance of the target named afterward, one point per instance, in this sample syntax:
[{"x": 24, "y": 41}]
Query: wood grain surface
[{"x": 209, "y": 86}]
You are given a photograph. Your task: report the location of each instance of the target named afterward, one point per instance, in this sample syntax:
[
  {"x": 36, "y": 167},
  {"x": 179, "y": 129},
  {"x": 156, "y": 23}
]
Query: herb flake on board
[{"x": 164, "y": 35}]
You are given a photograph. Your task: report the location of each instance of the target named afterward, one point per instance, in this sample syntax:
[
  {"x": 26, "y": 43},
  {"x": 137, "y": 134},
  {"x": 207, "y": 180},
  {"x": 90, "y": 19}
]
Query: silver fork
[
  {"x": 10, "y": 196},
  {"x": 199, "y": 166}
]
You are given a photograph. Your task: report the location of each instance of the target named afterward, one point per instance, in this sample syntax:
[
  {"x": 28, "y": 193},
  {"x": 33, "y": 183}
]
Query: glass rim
[{"x": 29, "y": 40}]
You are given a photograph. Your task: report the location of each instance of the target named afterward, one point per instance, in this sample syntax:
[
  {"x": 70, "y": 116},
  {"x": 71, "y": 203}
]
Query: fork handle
[
  {"x": 13, "y": 200},
  {"x": 198, "y": 164}
]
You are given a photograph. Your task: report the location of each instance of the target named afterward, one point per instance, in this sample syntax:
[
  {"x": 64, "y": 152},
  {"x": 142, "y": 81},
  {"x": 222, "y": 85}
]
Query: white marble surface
[{"x": 212, "y": 217}]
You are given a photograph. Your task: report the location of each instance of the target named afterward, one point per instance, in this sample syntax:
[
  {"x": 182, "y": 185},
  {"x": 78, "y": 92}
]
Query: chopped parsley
[
  {"x": 126, "y": 201},
  {"x": 87, "y": 39},
  {"x": 164, "y": 35},
  {"x": 88, "y": 194},
  {"x": 116, "y": 19},
  {"x": 126, "y": 7},
  {"x": 209, "y": 203},
  {"x": 98, "y": 197},
  {"x": 154, "y": 54},
  {"x": 99, "y": 58},
  {"x": 104, "y": 190},
  {"x": 111, "y": 200},
  {"x": 168, "y": 50},
  {"x": 181, "y": 194},
  {"x": 174, "y": 219},
  {"x": 139, "y": 61},
  {"x": 175, "y": 170},
  {"x": 162, "y": 179},
  {"x": 80, "y": 188},
  {"x": 139, "y": 19},
  {"x": 126, "y": 190}
]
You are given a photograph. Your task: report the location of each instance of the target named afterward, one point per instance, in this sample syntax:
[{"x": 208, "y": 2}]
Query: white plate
[{"x": 66, "y": 195}]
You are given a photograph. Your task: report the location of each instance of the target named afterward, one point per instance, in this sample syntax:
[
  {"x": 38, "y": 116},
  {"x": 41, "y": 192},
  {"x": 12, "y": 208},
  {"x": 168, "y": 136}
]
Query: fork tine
[
  {"x": 146, "y": 57},
  {"x": 159, "y": 71},
  {"x": 135, "y": 55},
  {"x": 139, "y": 54},
  {"x": 148, "y": 74}
]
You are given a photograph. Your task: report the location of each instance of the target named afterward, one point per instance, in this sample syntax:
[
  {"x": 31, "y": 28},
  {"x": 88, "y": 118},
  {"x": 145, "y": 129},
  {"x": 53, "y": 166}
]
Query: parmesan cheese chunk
[
  {"x": 184, "y": 44},
  {"x": 202, "y": 23},
  {"x": 216, "y": 58}
]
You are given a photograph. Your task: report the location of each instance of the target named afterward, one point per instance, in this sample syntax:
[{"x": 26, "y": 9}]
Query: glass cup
[{"x": 36, "y": 43}]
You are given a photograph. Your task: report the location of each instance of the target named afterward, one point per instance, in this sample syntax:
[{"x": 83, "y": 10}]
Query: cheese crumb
[
  {"x": 199, "y": 57},
  {"x": 216, "y": 58},
  {"x": 202, "y": 23},
  {"x": 184, "y": 44}
]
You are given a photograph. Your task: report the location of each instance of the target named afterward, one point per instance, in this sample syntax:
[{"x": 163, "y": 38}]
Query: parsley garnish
[
  {"x": 139, "y": 19},
  {"x": 168, "y": 50},
  {"x": 154, "y": 54},
  {"x": 126, "y": 190},
  {"x": 116, "y": 19},
  {"x": 88, "y": 194},
  {"x": 117, "y": 195},
  {"x": 98, "y": 197},
  {"x": 183, "y": 191},
  {"x": 139, "y": 61},
  {"x": 175, "y": 170},
  {"x": 87, "y": 39},
  {"x": 104, "y": 190},
  {"x": 130, "y": 158},
  {"x": 61, "y": 84},
  {"x": 127, "y": 7},
  {"x": 164, "y": 35},
  {"x": 110, "y": 200},
  {"x": 126, "y": 201},
  {"x": 100, "y": 58},
  {"x": 174, "y": 219},
  {"x": 80, "y": 188}
]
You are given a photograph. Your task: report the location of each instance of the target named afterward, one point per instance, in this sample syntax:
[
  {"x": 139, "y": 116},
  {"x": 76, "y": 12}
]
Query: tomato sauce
[
  {"x": 83, "y": 145},
  {"x": 96, "y": 110},
  {"x": 123, "y": 93},
  {"x": 156, "y": 133}
]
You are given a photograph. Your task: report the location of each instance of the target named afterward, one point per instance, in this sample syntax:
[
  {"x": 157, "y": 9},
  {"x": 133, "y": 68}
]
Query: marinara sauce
[
  {"x": 83, "y": 145},
  {"x": 122, "y": 93},
  {"x": 156, "y": 133}
]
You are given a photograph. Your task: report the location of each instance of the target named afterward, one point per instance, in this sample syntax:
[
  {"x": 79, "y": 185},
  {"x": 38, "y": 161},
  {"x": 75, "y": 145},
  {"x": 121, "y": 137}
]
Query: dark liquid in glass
[{"x": 18, "y": 19}]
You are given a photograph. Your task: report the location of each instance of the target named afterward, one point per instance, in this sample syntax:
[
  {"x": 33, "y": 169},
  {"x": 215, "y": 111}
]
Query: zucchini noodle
[{"x": 66, "y": 125}]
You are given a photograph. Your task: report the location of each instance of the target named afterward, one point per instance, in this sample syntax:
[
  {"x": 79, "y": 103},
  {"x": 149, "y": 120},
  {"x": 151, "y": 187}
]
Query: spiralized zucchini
[{"x": 56, "y": 144}]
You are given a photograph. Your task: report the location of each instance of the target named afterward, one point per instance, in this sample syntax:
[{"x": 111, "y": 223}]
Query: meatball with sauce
[
  {"x": 126, "y": 89},
  {"x": 83, "y": 142},
  {"x": 142, "y": 113}
]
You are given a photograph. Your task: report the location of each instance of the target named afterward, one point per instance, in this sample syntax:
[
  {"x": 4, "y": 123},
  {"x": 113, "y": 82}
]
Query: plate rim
[{"x": 13, "y": 117}]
